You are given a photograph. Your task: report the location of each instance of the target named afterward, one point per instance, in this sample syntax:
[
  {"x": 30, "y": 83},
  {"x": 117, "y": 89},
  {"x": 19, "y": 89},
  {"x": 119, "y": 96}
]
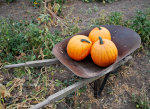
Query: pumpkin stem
[
  {"x": 101, "y": 40},
  {"x": 84, "y": 40},
  {"x": 99, "y": 28}
]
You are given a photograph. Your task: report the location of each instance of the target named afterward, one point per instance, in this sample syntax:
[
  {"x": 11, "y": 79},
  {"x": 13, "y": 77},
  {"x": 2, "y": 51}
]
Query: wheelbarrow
[{"x": 126, "y": 41}]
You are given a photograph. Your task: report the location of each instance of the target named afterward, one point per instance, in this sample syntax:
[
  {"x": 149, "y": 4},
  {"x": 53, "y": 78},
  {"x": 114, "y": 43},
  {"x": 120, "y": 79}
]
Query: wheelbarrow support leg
[{"x": 98, "y": 86}]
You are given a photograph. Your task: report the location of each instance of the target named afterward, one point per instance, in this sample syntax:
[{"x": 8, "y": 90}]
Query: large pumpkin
[
  {"x": 79, "y": 47},
  {"x": 101, "y": 31},
  {"x": 104, "y": 52}
]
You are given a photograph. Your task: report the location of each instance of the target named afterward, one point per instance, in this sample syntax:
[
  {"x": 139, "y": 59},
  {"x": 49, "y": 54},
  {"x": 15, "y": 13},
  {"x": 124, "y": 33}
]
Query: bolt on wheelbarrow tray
[{"x": 125, "y": 39}]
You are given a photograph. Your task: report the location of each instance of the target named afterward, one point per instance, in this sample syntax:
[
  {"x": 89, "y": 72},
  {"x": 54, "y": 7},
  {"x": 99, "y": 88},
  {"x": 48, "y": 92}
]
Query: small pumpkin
[
  {"x": 79, "y": 47},
  {"x": 104, "y": 52},
  {"x": 101, "y": 31}
]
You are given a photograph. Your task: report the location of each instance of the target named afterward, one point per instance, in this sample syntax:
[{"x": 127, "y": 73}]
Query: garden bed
[{"x": 129, "y": 88}]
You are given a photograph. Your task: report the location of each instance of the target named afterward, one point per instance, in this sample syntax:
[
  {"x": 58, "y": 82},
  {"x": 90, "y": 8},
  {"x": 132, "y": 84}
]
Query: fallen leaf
[
  {"x": 3, "y": 91},
  {"x": 41, "y": 53},
  {"x": 20, "y": 56},
  {"x": 56, "y": 8},
  {"x": 1, "y": 78}
]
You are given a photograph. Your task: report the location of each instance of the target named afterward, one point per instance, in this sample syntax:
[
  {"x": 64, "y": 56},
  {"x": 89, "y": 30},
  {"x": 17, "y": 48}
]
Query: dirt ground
[
  {"x": 18, "y": 10},
  {"x": 132, "y": 78},
  {"x": 88, "y": 11},
  {"x": 23, "y": 9}
]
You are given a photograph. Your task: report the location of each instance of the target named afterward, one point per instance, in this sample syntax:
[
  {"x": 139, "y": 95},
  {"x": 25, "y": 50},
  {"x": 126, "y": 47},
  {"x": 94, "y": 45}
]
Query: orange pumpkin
[
  {"x": 79, "y": 47},
  {"x": 104, "y": 52},
  {"x": 101, "y": 31}
]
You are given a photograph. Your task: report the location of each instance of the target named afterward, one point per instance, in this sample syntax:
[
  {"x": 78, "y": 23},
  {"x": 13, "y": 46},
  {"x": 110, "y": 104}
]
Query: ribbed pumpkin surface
[
  {"x": 102, "y": 32},
  {"x": 77, "y": 49},
  {"x": 104, "y": 54}
]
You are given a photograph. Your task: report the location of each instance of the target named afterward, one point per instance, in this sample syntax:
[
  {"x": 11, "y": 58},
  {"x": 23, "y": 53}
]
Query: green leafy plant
[
  {"x": 10, "y": 1},
  {"x": 56, "y": 6},
  {"x": 108, "y": 1},
  {"x": 24, "y": 41},
  {"x": 104, "y": 1},
  {"x": 115, "y": 18},
  {"x": 56, "y": 2},
  {"x": 36, "y": 3},
  {"x": 141, "y": 102},
  {"x": 141, "y": 24},
  {"x": 87, "y": 1},
  {"x": 12, "y": 40},
  {"x": 71, "y": 30}
]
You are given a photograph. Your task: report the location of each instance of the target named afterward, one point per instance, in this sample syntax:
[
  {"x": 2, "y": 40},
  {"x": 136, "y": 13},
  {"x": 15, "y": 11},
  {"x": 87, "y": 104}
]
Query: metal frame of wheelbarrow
[{"x": 126, "y": 40}]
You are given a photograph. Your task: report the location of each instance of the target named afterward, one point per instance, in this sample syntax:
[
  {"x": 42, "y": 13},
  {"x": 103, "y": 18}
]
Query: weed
[
  {"x": 13, "y": 41},
  {"x": 57, "y": 4},
  {"x": 115, "y": 18},
  {"x": 104, "y": 1},
  {"x": 108, "y": 1},
  {"x": 36, "y": 3},
  {"x": 24, "y": 41},
  {"x": 89, "y": 11},
  {"x": 141, "y": 101},
  {"x": 87, "y": 1},
  {"x": 9, "y": 1},
  {"x": 43, "y": 18},
  {"x": 70, "y": 30},
  {"x": 95, "y": 8},
  {"x": 139, "y": 23}
]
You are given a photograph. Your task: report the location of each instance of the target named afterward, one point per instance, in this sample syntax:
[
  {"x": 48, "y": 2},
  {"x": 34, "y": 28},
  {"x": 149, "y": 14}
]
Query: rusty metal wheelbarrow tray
[{"x": 126, "y": 40}]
